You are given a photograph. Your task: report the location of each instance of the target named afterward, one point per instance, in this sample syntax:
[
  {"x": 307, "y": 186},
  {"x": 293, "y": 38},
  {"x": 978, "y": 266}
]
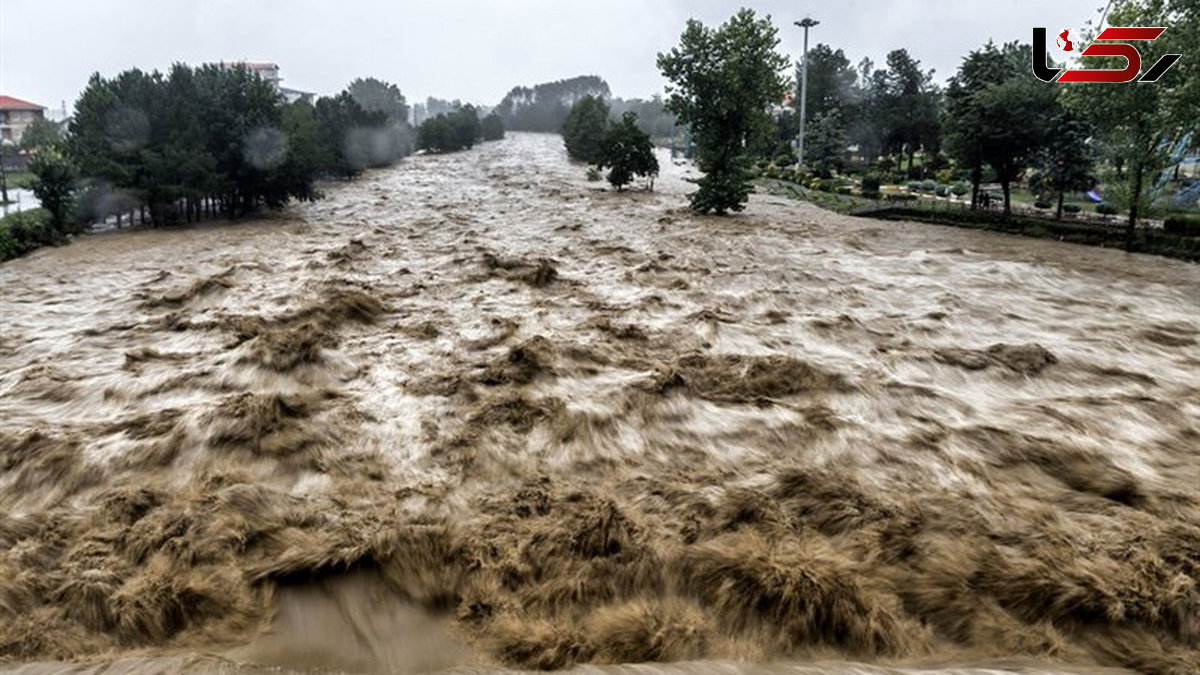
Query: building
[
  {"x": 270, "y": 73},
  {"x": 16, "y": 116}
]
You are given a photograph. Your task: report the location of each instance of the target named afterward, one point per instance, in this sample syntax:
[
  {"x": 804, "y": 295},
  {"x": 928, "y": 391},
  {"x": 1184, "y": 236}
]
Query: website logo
[{"x": 1116, "y": 45}]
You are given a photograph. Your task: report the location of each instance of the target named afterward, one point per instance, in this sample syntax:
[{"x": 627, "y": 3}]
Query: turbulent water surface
[{"x": 475, "y": 412}]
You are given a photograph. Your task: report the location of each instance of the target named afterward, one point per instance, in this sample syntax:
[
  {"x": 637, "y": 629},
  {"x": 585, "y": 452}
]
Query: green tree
[
  {"x": 627, "y": 151},
  {"x": 374, "y": 95},
  {"x": 458, "y": 130},
  {"x": 904, "y": 106},
  {"x": 54, "y": 185},
  {"x": 997, "y": 115},
  {"x": 1064, "y": 161},
  {"x": 721, "y": 82},
  {"x": 1137, "y": 123},
  {"x": 41, "y": 133},
  {"x": 825, "y": 142},
  {"x": 583, "y": 132}
]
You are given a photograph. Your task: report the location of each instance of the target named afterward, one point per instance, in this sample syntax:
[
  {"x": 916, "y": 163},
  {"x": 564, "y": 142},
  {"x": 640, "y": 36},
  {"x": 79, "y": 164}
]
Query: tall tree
[
  {"x": 583, "y": 132},
  {"x": 905, "y": 104},
  {"x": 1064, "y": 161},
  {"x": 721, "y": 82},
  {"x": 996, "y": 115},
  {"x": 373, "y": 95}
]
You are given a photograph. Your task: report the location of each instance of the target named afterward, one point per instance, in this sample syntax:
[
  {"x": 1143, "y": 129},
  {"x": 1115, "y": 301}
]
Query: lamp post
[{"x": 805, "y": 24}]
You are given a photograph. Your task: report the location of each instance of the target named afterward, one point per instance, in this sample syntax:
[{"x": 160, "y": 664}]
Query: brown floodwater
[{"x": 474, "y": 412}]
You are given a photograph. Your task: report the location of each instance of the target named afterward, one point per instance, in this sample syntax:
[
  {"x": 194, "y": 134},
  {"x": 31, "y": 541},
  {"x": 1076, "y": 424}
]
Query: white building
[{"x": 270, "y": 73}]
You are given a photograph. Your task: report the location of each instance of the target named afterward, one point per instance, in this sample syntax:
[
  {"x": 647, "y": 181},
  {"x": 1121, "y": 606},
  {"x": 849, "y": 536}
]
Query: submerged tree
[
  {"x": 458, "y": 130},
  {"x": 627, "y": 151},
  {"x": 721, "y": 82}
]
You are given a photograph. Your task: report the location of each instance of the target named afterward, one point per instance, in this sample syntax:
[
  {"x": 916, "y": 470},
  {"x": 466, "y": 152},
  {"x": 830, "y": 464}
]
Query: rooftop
[{"x": 13, "y": 103}]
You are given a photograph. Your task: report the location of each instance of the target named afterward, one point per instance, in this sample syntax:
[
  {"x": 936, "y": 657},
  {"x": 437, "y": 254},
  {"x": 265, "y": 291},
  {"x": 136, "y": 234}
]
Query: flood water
[{"x": 475, "y": 412}]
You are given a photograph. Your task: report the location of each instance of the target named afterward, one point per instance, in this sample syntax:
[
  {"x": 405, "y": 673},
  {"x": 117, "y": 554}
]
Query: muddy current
[{"x": 476, "y": 413}]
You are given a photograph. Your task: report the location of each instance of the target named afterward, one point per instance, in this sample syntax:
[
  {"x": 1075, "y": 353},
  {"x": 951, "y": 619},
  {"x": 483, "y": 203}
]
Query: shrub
[
  {"x": 913, "y": 185},
  {"x": 22, "y": 232},
  {"x": 870, "y": 186},
  {"x": 1071, "y": 208},
  {"x": 1183, "y": 224},
  {"x": 843, "y": 190},
  {"x": 927, "y": 185},
  {"x": 900, "y": 197},
  {"x": 1042, "y": 204},
  {"x": 942, "y": 191},
  {"x": 1106, "y": 209},
  {"x": 960, "y": 189},
  {"x": 593, "y": 174},
  {"x": 55, "y": 185},
  {"x": 828, "y": 184}
]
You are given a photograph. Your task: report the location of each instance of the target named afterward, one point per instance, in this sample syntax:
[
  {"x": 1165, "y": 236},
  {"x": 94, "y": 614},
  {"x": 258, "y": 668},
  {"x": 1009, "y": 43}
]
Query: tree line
[{"x": 210, "y": 141}]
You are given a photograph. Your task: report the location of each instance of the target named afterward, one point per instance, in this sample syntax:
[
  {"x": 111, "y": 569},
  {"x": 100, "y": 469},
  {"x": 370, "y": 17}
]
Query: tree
[
  {"x": 627, "y": 152},
  {"x": 583, "y": 132},
  {"x": 54, "y": 185},
  {"x": 997, "y": 115},
  {"x": 825, "y": 142},
  {"x": 493, "y": 127},
  {"x": 904, "y": 106},
  {"x": 451, "y": 132},
  {"x": 467, "y": 128},
  {"x": 374, "y": 95},
  {"x": 41, "y": 133},
  {"x": 1064, "y": 161},
  {"x": 1135, "y": 122},
  {"x": 721, "y": 82}
]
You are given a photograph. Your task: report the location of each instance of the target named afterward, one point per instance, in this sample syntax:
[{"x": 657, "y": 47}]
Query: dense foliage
[
  {"x": 450, "y": 132},
  {"x": 626, "y": 151},
  {"x": 544, "y": 107},
  {"x": 584, "y": 129},
  {"x": 23, "y": 231},
  {"x": 54, "y": 186},
  {"x": 721, "y": 82},
  {"x": 216, "y": 141}
]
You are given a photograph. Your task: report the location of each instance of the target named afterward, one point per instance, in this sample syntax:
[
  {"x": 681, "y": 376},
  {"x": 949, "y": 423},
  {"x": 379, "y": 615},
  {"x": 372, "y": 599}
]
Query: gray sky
[{"x": 473, "y": 50}]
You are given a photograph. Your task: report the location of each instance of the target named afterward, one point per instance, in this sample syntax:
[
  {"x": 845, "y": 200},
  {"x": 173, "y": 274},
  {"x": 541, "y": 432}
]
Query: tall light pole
[{"x": 805, "y": 24}]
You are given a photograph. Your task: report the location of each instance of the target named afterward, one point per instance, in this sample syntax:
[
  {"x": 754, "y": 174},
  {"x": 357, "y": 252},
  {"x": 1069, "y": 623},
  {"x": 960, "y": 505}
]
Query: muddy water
[{"x": 474, "y": 412}]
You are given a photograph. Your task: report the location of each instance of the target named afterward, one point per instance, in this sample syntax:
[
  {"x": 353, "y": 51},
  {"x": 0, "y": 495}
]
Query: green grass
[{"x": 19, "y": 180}]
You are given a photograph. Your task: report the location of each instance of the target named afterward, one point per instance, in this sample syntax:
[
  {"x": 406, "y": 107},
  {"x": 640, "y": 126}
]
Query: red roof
[{"x": 11, "y": 103}]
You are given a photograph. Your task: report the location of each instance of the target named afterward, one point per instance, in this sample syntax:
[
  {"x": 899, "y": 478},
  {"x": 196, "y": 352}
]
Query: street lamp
[{"x": 805, "y": 24}]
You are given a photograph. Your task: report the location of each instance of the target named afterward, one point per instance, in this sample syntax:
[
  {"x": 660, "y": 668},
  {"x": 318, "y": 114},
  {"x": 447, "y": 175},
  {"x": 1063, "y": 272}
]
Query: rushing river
[{"x": 475, "y": 412}]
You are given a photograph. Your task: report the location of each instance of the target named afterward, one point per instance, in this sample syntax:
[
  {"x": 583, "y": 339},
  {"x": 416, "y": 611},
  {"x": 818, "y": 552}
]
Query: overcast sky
[{"x": 475, "y": 50}]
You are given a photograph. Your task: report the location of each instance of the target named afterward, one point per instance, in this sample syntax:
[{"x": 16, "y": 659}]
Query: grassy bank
[{"x": 1108, "y": 235}]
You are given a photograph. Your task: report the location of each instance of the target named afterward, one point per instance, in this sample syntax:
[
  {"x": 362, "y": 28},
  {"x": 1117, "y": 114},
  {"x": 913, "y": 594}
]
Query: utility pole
[{"x": 805, "y": 24}]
